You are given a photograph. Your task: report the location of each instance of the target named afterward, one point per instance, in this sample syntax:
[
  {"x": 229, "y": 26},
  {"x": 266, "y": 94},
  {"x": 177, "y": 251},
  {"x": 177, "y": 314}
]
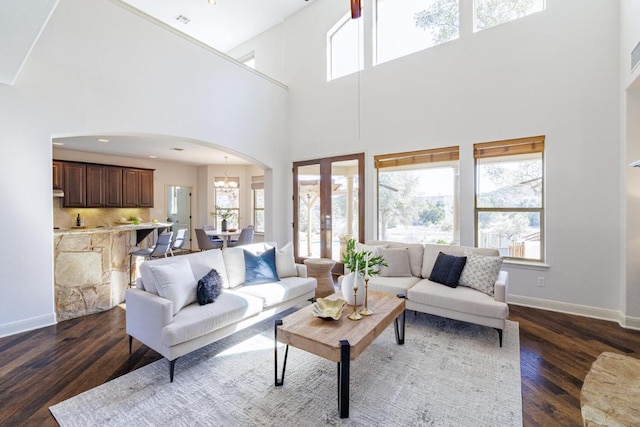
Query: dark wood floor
[{"x": 43, "y": 367}]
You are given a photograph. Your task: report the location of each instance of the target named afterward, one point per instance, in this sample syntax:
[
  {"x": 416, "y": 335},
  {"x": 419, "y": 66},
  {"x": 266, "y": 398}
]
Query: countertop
[{"x": 113, "y": 228}]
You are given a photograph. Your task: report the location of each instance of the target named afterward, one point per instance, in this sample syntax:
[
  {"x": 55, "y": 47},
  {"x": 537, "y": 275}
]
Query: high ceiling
[{"x": 223, "y": 25}]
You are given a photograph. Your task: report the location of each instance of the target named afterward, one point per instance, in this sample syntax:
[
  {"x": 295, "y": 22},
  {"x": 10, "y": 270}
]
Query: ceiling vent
[
  {"x": 183, "y": 19},
  {"x": 635, "y": 56},
  {"x": 176, "y": 149}
]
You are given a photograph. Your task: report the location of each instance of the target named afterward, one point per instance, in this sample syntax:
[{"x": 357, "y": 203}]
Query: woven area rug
[{"x": 447, "y": 373}]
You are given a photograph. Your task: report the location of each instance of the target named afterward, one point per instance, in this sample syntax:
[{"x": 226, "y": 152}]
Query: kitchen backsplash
[{"x": 93, "y": 217}]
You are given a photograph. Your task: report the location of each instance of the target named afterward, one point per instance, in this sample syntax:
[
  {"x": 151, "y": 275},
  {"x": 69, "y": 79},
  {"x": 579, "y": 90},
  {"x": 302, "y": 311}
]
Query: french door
[{"x": 328, "y": 196}]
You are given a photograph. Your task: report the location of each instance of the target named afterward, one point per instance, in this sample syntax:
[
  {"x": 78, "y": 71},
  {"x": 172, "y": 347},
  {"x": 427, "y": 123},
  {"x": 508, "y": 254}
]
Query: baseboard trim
[
  {"x": 627, "y": 322},
  {"x": 37, "y": 322}
]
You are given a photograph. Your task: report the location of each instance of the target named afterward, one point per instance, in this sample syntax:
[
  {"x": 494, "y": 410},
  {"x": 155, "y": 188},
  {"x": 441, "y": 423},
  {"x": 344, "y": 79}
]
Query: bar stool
[{"x": 159, "y": 250}]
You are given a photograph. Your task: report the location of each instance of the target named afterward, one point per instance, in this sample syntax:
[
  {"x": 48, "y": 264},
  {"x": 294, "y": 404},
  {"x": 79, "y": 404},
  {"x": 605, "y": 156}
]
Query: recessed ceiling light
[
  {"x": 103, "y": 140},
  {"x": 151, "y": 156},
  {"x": 176, "y": 149},
  {"x": 58, "y": 143}
]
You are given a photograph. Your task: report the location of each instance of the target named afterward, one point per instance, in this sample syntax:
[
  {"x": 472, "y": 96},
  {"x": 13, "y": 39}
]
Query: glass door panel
[
  {"x": 344, "y": 205},
  {"x": 328, "y": 205},
  {"x": 308, "y": 219}
]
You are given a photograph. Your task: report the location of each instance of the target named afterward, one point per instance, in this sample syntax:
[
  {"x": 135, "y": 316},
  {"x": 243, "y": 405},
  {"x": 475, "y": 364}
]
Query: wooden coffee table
[{"x": 342, "y": 340}]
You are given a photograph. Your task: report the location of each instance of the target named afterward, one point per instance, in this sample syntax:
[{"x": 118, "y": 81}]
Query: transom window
[
  {"x": 509, "y": 210},
  {"x": 344, "y": 48},
  {"x": 408, "y": 26},
  {"x": 489, "y": 13},
  {"x": 403, "y": 27},
  {"x": 418, "y": 196}
]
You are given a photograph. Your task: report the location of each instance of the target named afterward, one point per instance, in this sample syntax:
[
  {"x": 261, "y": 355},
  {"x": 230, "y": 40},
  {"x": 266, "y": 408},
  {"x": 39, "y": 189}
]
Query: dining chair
[
  {"x": 204, "y": 243},
  {"x": 214, "y": 239},
  {"x": 178, "y": 243},
  {"x": 245, "y": 238},
  {"x": 161, "y": 248}
]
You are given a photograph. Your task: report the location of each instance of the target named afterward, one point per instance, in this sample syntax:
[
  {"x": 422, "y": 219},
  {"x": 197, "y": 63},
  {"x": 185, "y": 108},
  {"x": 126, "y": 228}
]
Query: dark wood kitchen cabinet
[
  {"x": 95, "y": 186},
  {"x": 104, "y": 186},
  {"x": 137, "y": 188},
  {"x": 146, "y": 188},
  {"x": 57, "y": 175},
  {"x": 113, "y": 189},
  {"x": 75, "y": 186}
]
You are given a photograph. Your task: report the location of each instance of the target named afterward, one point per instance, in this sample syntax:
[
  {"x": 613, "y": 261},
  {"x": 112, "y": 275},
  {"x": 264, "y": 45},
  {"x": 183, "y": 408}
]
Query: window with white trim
[
  {"x": 509, "y": 206},
  {"x": 489, "y": 13},
  {"x": 227, "y": 201},
  {"x": 257, "y": 189},
  {"x": 418, "y": 196},
  {"x": 344, "y": 48},
  {"x": 408, "y": 26}
]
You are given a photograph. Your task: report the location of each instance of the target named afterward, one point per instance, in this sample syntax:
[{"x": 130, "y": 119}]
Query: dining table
[{"x": 224, "y": 235}]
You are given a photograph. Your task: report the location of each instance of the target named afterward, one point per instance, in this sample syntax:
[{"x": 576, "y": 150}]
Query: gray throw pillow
[
  {"x": 397, "y": 260},
  {"x": 209, "y": 287}
]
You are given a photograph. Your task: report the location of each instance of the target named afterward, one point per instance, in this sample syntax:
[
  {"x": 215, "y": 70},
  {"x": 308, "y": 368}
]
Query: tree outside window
[
  {"x": 418, "y": 196},
  {"x": 509, "y": 197}
]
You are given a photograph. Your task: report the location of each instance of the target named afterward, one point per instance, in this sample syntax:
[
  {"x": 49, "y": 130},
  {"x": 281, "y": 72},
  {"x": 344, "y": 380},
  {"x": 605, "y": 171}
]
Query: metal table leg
[
  {"x": 400, "y": 329},
  {"x": 343, "y": 378},
  {"x": 279, "y": 382}
]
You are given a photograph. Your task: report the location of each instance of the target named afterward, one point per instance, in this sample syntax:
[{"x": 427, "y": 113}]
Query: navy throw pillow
[
  {"x": 209, "y": 287},
  {"x": 447, "y": 269},
  {"x": 260, "y": 268}
]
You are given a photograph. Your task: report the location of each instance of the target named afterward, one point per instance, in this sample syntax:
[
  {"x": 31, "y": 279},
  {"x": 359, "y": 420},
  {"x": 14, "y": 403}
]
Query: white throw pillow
[
  {"x": 175, "y": 282},
  {"x": 234, "y": 263},
  {"x": 375, "y": 250},
  {"x": 481, "y": 272},
  {"x": 397, "y": 260},
  {"x": 285, "y": 262},
  {"x": 203, "y": 262}
]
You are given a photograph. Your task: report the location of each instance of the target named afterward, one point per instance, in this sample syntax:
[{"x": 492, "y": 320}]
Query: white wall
[
  {"x": 553, "y": 73},
  {"x": 629, "y": 38},
  {"x": 268, "y": 51},
  {"x": 630, "y": 88},
  {"x": 97, "y": 68}
]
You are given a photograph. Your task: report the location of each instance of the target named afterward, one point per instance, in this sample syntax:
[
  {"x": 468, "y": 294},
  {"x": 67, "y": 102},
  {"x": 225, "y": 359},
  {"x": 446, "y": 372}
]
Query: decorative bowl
[
  {"x": 328, "y": 309},
  {"x": 232, "y": 230}
]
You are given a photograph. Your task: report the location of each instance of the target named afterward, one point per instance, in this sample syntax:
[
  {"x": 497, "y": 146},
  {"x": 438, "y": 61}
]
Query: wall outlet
[{"x": 541, "y": 281}]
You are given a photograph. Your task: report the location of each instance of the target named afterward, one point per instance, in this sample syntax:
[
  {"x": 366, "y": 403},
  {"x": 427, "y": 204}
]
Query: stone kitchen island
[{"x": 91, "y": 265}]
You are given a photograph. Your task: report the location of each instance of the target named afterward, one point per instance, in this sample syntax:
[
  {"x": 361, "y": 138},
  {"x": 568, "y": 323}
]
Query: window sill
[{"x": 529, "y": 265}]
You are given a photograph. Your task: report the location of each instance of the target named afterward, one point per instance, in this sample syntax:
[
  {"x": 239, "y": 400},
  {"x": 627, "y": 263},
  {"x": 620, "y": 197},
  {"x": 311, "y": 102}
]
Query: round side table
[{"x": 320, "y": 268}]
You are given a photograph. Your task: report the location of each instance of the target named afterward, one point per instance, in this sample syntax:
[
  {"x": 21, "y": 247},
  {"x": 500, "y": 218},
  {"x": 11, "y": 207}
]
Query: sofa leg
[
  {"x": 130, "y": 344},
  {"x": 499, "y": 335},
  {"x": 172, "y": 365}
]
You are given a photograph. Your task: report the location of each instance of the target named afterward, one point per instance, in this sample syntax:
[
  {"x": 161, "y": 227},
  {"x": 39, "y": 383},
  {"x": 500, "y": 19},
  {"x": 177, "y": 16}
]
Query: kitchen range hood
[{"x": 58, "y": 193}]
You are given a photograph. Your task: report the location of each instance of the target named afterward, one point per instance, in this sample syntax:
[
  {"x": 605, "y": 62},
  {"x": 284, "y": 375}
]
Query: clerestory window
[
  {"x": 408, "y": 26},
  {"x": 344, "y": 48},
  {"x": 489, "y": 13}
]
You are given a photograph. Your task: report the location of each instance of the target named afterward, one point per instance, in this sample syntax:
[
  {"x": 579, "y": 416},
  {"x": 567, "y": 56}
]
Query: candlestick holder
[
  {"x": 365, "y": 310},
  {"x": 355, "y": 315}
]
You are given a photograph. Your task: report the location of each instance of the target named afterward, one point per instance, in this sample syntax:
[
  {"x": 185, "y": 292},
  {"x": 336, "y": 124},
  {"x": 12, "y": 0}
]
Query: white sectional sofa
[
  {"x": 162, "y": 311},
  {"x": 423, "y": 295}
]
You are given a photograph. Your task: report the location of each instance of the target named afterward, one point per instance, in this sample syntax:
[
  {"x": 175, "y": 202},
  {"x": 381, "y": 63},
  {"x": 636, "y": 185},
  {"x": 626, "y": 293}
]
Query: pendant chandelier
[{"x": 225, "y": 184}]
